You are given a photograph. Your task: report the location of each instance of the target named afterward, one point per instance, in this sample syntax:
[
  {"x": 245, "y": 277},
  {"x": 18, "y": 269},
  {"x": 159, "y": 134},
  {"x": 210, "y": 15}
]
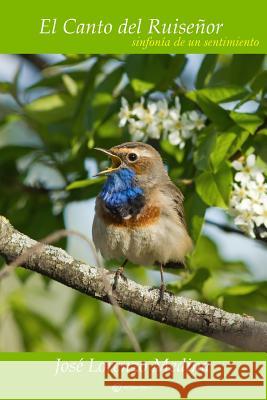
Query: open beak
[{"x": 115, "y": 160}]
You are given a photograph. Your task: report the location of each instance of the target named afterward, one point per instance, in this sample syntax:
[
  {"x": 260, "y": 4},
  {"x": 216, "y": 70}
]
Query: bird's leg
[
  {"x": 119, "y": 273},
  {"x": 162, "y": 285}
]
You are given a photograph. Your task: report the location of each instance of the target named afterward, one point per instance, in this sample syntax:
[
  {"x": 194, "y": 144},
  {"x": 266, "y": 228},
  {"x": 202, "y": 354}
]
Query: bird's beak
[{"x": 116, "y": 162}]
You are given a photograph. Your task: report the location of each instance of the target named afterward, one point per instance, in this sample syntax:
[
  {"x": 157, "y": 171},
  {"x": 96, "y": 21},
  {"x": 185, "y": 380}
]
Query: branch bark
[{"x": 175, "y": 311}]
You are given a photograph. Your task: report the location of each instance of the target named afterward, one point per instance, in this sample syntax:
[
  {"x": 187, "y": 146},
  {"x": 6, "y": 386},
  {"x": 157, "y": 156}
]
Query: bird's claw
[
  {"x": 118, "y": 274},
  {"x": 162, "y": 290}
]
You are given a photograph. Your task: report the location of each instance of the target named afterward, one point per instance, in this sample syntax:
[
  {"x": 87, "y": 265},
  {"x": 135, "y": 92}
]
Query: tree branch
[
  {"x": 37, "y": 61},
  {"x": 175, "y": 311},
  {"x": 229, "y": 229}
]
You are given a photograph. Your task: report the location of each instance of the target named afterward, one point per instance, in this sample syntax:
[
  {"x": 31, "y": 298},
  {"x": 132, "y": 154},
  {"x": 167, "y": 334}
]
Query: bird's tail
[{"x": 174, "y": 265}]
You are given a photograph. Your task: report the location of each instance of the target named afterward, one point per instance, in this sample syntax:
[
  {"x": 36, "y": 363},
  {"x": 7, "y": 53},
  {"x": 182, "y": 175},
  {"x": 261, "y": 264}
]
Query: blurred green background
[{"x": 53, "y": 110}]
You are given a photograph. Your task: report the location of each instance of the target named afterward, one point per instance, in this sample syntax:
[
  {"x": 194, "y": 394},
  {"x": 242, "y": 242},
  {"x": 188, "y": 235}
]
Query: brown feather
[{"x": 178, "y": 198}]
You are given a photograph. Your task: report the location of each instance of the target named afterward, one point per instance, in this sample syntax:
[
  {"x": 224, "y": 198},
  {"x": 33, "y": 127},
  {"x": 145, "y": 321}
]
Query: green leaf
[
  {"x": 6, "y": 87},
  {"x": 148, "y": 71},
  {"x": 214, "y": 112},
  {"x": 198, "y": 344},
  {"x": 56, "y": 80},
  {"x": 23, "y": 274},
  {"x": 9, "y": 155},
  {"x": 100, "y": 107},
  {"x": 171, "y": 150},
  {"x": 241, "y": 137},
  {"x": 207, "y": 67},
  {"x": 244, "y": 67},
  {"x": 252, "y": 299},
  {"x": 206, "y": 140},
  {"x": 70, "y": 84},
  {"x": 262, "y": 132},
  {"x": 213, "y": 148},
  {"x": 260, "y": 145},
  {"x": 206, "y": 255},
  {"x": 193, "y": 281},
  {"x": 141, "y": 87},
  {"x": 240, "y": 290},
  {"x": 197, "y": 280},
  {"x": 259, "y": 82},
  {"x": 219, "y": 94},
  {"x": 85, "y": 183},
  {"x": 214, "y": 189},
  {"x": 81, "y": 114},
  {"x": 221, "y": 148},
  {"x": 73, "y": 59},
  {"x": 33, "y": 326},
  {"x": 249, "y": 122},
  {"x": 195, "y": 211},
  {"x": 109, "y": 83},
  {"x": 176, "y": 65},
  {"x": 52, "y": 108}
]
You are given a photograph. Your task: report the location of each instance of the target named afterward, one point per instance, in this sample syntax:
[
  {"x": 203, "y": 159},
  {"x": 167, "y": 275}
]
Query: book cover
[{"x": 133, "y": 206}]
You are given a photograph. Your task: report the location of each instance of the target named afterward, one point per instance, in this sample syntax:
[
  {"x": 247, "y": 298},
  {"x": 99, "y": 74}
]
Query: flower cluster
[
  {"x": 248, "y": 203},
  {"x": 156, "y": 119}
]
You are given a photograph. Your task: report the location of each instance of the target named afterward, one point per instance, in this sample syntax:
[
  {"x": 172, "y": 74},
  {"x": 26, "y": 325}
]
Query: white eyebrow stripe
[{"x": 143, "y": 152}]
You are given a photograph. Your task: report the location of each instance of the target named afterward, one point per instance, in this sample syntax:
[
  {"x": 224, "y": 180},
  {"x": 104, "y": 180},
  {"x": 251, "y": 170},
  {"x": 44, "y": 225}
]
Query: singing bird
[{"x": 139, "y": 213}]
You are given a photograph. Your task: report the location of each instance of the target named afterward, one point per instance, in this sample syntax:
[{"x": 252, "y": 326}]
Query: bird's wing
[{"x": 178, "y": 198}]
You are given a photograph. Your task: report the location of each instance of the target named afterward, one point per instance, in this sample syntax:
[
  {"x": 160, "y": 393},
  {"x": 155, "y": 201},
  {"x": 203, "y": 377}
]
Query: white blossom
[
  {"x": 247, "y": 170},
  {"x": 125, "y": 113},
  {"x": 245, "y": 223},
  {"x": 162, "y": 110},
  {"x": 261, "y": 217},
  {"x": 248, "y": 202},
  {"x": 136, "y": 129},
  {"x": 176, "y": 139},
  {"x": 198, "y": 119},
  {"x": 153, "y": 130},
  {"x": 156, "y": 119}
]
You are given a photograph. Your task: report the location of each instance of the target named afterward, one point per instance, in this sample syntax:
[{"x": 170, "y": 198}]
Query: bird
[{"x": 139, "y": 213}]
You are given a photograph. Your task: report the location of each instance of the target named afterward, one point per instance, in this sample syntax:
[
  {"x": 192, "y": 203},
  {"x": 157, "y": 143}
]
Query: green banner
[
  {"x": 133, "y": 376},
  {"x": 141, "y": 27}
]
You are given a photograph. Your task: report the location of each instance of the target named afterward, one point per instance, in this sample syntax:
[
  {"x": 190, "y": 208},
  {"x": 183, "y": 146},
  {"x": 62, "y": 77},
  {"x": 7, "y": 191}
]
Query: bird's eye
[{"x": 132, "y": 157}]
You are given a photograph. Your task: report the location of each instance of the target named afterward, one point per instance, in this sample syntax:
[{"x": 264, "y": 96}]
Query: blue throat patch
[{"x": 121, "y": 195}]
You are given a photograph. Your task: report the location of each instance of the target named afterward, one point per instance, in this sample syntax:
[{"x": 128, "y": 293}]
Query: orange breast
[{"x": 148, "y": 216}]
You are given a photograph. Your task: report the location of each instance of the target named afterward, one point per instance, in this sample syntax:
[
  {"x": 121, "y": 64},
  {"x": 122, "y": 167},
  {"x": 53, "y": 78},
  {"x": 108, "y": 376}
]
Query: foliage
[{"x": 47, "y": 133}]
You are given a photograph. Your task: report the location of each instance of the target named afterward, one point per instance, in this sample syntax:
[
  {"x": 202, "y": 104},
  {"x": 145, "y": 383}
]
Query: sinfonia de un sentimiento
[
  {"x": 222, "y": 42},
  {"x": 72, "y": 26}
]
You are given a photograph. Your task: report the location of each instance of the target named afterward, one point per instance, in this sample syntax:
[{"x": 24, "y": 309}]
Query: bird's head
[{"x": 141, "y": 158}]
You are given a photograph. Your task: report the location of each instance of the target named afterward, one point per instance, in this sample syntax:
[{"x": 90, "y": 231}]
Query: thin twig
[
  {"x": 54, "y": 237},
  {"x": 230, "y": 229}
]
